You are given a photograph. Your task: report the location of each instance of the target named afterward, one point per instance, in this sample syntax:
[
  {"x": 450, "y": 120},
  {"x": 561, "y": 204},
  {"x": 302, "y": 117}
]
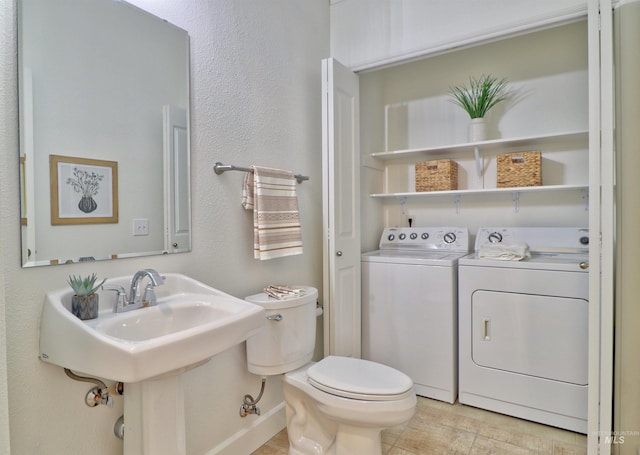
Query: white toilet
[{"x": 337, "y": 406}]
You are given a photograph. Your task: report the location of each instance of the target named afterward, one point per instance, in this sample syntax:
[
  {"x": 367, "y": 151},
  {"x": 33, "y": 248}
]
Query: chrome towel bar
[{"x": 220, "y": 168}]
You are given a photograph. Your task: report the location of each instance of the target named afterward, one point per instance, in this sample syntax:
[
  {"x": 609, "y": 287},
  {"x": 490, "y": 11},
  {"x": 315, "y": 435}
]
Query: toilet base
[
  {"x": 322, "y": 423},
  {"x": 352, "y": 440},
  {"x": 349, "y": 440}
]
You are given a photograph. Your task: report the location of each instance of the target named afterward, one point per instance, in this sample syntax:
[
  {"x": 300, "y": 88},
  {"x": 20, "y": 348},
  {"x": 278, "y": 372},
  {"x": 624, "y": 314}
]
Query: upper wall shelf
[
  {"x": 486, "y": 146},
  {"x": 526, "y": 189},
  {"x": 515, "y": 192}
]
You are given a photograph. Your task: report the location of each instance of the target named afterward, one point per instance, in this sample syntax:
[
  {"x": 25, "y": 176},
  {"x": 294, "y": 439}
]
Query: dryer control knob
[
  {"x": 449, "y": 237},
  {"x": 391, "y": 237},
  {"x": 413, "y": 236},
  {"x": 402, "y": 236},
  {"x": 425, "y": 235},
  {"x": 495, "y": 237}
]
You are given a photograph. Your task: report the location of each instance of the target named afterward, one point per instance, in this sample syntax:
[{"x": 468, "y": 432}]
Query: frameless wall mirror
[{"x": 104, "y": 132}]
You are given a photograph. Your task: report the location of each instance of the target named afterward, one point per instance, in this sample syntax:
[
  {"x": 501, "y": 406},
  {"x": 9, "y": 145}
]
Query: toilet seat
[{"x": 359, "y": 379}]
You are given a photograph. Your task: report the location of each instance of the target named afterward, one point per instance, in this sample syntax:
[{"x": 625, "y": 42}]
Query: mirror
[{"x": 104, "y": 132}]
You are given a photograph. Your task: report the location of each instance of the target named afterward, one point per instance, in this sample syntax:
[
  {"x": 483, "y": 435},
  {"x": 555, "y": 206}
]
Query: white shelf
[
  {"x": 534, "y": 142},
  {"x": 492, "y": 145},
  {"x": 524, "y": 189}
]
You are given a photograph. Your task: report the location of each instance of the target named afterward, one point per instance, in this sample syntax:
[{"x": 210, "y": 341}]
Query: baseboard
[{"x": 251, "y": 438}]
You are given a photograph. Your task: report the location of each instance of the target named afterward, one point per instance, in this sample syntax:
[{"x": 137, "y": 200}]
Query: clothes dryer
[
  {"x": 409, "y": 306},
  {"x": 523, "y": 324}
]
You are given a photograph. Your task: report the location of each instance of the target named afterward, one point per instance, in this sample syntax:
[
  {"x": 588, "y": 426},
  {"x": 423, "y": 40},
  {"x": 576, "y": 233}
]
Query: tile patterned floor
[{"x": 441, "y": 428}]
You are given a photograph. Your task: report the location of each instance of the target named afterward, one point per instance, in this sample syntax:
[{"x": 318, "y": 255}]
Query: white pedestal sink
[
  {"x": 154, "y": 417},
  {"x": 148, "y": 349}
]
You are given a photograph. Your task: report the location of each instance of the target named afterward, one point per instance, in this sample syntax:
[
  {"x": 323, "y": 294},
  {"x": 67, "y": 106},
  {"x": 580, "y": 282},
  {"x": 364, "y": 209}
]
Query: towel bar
[{"x": 220, "y": 168}]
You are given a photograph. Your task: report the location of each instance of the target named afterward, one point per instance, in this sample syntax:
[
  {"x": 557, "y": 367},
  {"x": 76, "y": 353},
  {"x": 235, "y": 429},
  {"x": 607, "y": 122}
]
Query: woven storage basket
[
  {"x": 437, "y": 175},
  {"x": 519, "y": 169}
]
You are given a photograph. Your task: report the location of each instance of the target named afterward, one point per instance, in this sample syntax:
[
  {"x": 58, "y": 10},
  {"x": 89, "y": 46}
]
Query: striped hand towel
[{"x": 271, "y": 194}]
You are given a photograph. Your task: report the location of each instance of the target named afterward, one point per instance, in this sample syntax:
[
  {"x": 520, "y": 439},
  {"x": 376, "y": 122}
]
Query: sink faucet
[
  {"x": 133, "y": 301},
  {"x": 149, "y": 296}
]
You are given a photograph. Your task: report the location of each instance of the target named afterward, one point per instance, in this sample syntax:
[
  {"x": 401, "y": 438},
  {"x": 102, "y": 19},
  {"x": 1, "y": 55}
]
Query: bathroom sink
[
  {"x": 178, "y": 313},
  {"x": 191, "y": 323}
]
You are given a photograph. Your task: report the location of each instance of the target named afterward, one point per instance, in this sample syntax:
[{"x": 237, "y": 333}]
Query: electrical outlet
[{"x": 141, "y": 226}]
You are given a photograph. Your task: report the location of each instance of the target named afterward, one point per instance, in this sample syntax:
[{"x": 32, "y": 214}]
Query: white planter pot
[{"x": 477, "y": 130}]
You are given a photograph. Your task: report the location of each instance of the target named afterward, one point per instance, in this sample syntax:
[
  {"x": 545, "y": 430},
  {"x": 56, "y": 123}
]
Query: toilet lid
[{"x": 360, "y": 379}]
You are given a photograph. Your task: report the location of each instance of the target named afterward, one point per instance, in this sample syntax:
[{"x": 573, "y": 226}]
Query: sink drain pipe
[
  {"x": 100, "y": 395},
  {"x": 97, "y": 395},
  {"x": 249, "y": 403},
  {"x": 118, "y": 428}
]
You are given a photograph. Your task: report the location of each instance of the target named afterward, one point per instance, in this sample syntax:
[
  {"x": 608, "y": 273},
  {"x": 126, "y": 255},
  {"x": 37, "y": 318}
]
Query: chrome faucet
[
  {"x": 122, "y": 301},
  {"x": 149, "y": 296},
  {"x": 134, "y": 300}
]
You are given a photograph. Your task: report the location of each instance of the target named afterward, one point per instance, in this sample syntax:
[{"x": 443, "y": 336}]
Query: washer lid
[
  {"x": 360, "y": 379},
  {"x": 441, "y": 258}
]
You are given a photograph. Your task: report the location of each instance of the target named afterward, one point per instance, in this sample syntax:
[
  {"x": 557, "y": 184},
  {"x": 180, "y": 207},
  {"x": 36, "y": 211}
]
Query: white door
[
  {"x": 601, "y": 226},
  {"x": 341, "y": 209},
  {"x": 176, "y": 159}
]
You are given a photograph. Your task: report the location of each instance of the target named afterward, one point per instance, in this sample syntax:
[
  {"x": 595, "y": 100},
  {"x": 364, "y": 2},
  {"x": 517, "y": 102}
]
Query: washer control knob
[
  {"x": 391, "y": 237},
  {"x": 402, "y": 236},
  {"x": 413, "y": 236},
  {"x": 584, "y": 265},
  {"x": 584, "y": 240},
  {"x": 449, "y": 237},
  {"x": 495, "y": 237},
  {"x": 425, "y": 235},
  {"x": 339, "y": 253}
]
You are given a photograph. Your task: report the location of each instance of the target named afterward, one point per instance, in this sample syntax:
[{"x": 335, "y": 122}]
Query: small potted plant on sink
[
  {"x": 84, "y": 303},
  {"x": 477, "y": 99}
]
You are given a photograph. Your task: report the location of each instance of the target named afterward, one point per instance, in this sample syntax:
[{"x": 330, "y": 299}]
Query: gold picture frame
[
  {"x": 23, "y": 192},
  {"x": 83, "y": 190}
]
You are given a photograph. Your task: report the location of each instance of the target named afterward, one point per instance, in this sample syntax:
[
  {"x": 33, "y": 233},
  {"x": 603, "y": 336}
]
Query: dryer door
[{"x": 535, "y": 335}]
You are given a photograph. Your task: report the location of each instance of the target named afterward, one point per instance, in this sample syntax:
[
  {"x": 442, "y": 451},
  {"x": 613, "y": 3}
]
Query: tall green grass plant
[{"x": 480, "y": 95}]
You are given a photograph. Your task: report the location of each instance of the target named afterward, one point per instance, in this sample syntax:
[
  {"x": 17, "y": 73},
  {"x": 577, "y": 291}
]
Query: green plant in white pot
[
  {"x": 85, "y": 302},
  {"x": 477, "y": 99}
]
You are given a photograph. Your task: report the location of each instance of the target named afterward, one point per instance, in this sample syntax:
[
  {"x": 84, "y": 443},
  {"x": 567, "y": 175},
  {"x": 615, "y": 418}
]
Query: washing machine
[
  {"x": 409, "y": 305},
  {"x": 523, "y": 324}
]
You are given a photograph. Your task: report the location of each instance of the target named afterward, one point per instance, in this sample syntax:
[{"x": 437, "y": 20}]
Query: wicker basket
[
  {"x": 437, "y": 175},
  {"x": 519, "y": 169}
]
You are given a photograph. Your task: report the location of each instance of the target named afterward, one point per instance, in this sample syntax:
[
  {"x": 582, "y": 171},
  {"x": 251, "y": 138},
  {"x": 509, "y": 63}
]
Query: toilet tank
[{"x": 288, "y": 339}]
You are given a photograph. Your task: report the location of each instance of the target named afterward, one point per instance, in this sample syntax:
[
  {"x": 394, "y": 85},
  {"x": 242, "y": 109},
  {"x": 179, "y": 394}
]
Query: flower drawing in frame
[
  {"x": 87, "y": 183},
  {"x": 83, "y": 190}
]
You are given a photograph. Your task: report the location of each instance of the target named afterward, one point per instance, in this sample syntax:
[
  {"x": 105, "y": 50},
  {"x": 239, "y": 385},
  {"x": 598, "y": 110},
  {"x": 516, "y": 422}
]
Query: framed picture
[{"x": 83, "y": 191}]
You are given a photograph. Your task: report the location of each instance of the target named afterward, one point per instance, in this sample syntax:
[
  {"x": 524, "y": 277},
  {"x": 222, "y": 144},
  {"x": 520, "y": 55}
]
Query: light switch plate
[{"x": 141, "y": 226}]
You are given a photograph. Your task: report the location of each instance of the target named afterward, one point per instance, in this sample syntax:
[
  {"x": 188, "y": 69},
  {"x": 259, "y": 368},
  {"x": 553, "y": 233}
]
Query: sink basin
[
  {"x": 179, "y": 313},
  {"x": 191, "y": 323}
]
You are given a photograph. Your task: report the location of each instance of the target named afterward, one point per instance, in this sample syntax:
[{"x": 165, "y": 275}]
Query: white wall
[
  {"x": 627, "y": 310},
  {"x": 9, "y": 141},
  {"x": 255, "y": 99},
  {"x": 368, "y": 34}
]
